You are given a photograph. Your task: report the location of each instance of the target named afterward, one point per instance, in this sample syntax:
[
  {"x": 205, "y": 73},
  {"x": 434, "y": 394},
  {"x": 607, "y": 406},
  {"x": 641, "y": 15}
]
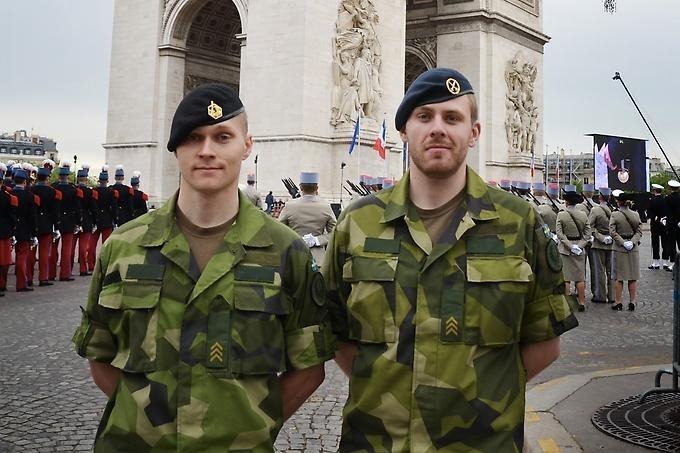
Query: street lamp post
[
  {"x": 75, "y": 172},
  {"x": 342, "y": 178}
]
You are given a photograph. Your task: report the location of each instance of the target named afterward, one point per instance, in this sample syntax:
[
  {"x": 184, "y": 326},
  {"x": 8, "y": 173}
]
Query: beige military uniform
[
  {"x": 572, "y": 228},
  {"x": 624, "y": 225},
  {"x": 600, "y": 255},
  {"x": 310, "y": 215},
  {"x": 548, "y": 215},
  {"x": 253, "y": 195}
]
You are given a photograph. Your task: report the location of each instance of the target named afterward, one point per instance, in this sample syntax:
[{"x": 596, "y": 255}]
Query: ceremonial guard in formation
[
  {"x": 139, "y": 199},
  {"x": 546, "y": 209},
  {"x": 658, "y": 221},
  {"x": 8, "y": 205},
  {"x": 125, "y": 196},
  {"x": 48, "y": 220},
  {"x": 310, "y": 216},
  {"x": 600, "y": 256},
  {"x": 69, "y": 221},
  {"x": 624, "y": 228},
  {"x": 573, "y": 232},
  {"x": 251, "y": 192},
  {"x": 106, "y": 203},
  {"x": 87, "y": 223},
  {"x": 673, "y": 221},
  {"x": 25, "y": 231}
]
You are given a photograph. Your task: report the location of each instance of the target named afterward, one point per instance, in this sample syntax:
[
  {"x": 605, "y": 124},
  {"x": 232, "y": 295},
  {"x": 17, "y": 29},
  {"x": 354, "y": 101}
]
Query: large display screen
[{"x": 620, "y": 162}]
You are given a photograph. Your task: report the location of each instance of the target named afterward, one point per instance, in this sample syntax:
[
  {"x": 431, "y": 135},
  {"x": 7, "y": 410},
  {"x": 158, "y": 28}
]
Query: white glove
[
  {"x": 576, "y": 250},
  {"x": 628, "y": 245},
  {"x": 56, "y": 236},
  {"x": 13, "y": 242},
  {"x": 555, "y": 239},
  {"x": 607, "y": 240},
  {"x": 663, "y": 221},
  {"x": 34, "y": 242},
  {"x": 77, "y": 229},
  {"x": 94, "y": 227},
  {"x": 310, "y": 240}
]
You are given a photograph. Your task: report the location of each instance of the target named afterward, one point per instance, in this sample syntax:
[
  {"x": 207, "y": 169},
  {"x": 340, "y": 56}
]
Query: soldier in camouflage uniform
[
  {"x": 446, "y": 294},
  {"x": 206, "y": 322}
]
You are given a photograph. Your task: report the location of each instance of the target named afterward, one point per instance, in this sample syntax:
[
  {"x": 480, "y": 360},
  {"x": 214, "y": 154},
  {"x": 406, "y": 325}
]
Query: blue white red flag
[{"x": 357, "y": 133}]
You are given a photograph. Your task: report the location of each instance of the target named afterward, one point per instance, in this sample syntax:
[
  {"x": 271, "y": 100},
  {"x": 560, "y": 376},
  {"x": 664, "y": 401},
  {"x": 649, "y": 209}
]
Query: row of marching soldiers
[
  {"x": 43, "y": 222},
  {"x": 598, "y": 227}
]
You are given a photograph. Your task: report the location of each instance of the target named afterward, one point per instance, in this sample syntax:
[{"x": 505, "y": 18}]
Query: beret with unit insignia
[
  {"x": 204, "y": 106},
  {"x": 431, "y": 87}
]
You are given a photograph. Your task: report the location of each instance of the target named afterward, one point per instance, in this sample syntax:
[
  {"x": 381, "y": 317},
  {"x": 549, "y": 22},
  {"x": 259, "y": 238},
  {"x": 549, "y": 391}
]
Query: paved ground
[{"x": 48, "y": 402}]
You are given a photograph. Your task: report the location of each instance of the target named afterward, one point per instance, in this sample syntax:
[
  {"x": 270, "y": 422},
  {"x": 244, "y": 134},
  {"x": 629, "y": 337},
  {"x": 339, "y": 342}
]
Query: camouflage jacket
[
  {"x": 439, "y": 326},
  {"x": 200, "y": 352}
]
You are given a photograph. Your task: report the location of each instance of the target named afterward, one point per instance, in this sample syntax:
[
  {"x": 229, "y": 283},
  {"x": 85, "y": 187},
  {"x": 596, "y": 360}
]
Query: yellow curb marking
[{"x": 548, "y": 445}]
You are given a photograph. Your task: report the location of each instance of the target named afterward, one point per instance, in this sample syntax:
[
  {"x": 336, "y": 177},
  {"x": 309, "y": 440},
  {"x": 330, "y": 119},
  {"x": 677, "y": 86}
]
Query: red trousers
[
  {"x": 30, "y": 265},
  {"x": 92, "y": 255},
  {"x": 84, "y": 244},
  {"x": 22, "y": 250},
  {"x": 44, "y": 255},
  {"x": 65, "y": 264},
  {"x": 4, "y": 269}
]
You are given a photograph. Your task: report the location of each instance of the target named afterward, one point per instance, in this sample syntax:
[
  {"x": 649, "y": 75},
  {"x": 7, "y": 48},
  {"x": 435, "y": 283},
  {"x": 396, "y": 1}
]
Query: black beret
[
  {"x": 431, "y": 87},
  {"x": 204, "y": 106},
  {"x": 572, "y": 197}
]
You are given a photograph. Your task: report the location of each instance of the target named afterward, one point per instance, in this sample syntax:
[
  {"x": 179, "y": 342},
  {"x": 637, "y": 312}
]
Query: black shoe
[
  {"x": 29, "y": 284},
  {"x": 581, "y": 307},
  {"x": 2, "y": 294},
  {"x": 652, "y": 266},
  {"x": 45, "y": 283},
  {"x": 669, "y": 269},
  {"x": 618, "y": 307},
  {"x": 23, "y": 290},
  {"x": 85, "y": 274},
  {"x": 67, "y": 279},
  {"x": 631, "y": 306},
  {"x": 611, "y": 302},
  {"x": 598, "y": 301}
]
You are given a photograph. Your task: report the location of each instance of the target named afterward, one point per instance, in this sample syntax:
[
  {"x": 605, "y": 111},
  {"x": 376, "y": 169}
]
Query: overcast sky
[{"x": 54, "y": 72}]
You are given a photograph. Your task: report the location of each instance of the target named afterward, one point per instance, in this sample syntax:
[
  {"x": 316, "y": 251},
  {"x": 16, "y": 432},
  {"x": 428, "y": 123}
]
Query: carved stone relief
[
  {"x": 357, "y": 58},
  {"x": 521, "y": 111}
]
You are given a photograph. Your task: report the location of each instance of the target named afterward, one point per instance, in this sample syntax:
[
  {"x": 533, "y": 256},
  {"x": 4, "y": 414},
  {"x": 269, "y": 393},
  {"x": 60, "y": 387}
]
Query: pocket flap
[
  {"x": 363, "y": 268},
  {"x": 493, "y": 269},
  {"x": 140, "y": 295},
  {"x": 263, "y": 297}
]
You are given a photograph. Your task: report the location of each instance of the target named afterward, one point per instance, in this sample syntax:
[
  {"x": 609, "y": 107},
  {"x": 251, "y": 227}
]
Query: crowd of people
[
  {"x": 50, "y": 224},
  {"x": 597, "y": 231}
]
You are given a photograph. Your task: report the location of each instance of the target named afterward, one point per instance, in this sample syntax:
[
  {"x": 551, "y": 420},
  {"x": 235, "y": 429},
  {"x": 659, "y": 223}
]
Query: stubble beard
[{"x": 442, "y": 168}]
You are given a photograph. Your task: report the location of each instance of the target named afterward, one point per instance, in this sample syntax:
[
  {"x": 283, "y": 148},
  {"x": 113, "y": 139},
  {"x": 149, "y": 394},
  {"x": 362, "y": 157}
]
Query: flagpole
[{"x": 359, "y": 147}]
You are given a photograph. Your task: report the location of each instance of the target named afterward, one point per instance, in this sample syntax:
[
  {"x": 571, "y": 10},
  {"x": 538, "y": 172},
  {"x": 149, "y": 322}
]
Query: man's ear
[
  {"x": 476, "y": 131},
  {"x": 403, "y": 136},
  {"x": 249, "y": 147}
]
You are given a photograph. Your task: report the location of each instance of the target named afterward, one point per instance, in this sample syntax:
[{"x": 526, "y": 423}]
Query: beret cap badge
[
  {"x": 214, "y": 110},
  {"x": 453, "y": 86}
]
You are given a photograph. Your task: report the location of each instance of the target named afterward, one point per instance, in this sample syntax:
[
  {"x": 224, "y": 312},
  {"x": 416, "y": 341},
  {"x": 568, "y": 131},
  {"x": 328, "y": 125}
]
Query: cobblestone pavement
[{"x": 48, "y": 402}]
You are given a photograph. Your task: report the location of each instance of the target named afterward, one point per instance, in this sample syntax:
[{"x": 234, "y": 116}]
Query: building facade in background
[
  {"x": 306, "y": 70},
  {"x": 22, "y": 147}
]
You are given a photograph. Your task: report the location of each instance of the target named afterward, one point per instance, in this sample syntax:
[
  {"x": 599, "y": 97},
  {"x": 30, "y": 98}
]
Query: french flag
[
  {"x": 380, "y": 142},
  {"x": 356, "y": 135}
]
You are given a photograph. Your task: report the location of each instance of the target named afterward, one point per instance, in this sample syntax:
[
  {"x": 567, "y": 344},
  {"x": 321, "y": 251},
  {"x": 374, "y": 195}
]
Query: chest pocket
[
  {"x": 371, "y": 317},
  {"x": 495, "y": 295},
  {"x": 135, "y": 304},
  {"x": 257, "y": 340}
]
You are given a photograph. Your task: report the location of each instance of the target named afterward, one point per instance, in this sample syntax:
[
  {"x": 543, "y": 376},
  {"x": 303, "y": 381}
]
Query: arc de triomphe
[{"x": 306, "y": 68}]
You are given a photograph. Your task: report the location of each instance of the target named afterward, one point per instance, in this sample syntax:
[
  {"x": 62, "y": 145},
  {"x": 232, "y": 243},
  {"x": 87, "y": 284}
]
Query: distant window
[
  {"x": 39, "y": 152},
  {"x": 14, "y": 151},
  {"x": 28, "y": 151},
  {"x": 3, "y": 150},
  {"x": 585, "y": 181}
]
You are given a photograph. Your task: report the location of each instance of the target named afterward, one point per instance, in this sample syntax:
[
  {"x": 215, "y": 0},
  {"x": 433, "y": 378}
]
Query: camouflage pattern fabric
[
  {"x": 200, "y": 353},
  {"x": 439, "y": 326}
]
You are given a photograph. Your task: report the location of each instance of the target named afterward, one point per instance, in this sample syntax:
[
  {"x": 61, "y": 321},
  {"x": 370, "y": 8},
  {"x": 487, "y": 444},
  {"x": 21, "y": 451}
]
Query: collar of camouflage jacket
[
  {"x": 477, "y": 199},
  {"x": 249, "y": 225}
]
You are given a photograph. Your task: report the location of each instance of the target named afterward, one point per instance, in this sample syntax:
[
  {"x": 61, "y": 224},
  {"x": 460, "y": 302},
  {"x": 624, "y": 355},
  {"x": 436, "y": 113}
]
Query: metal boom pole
[{"x": 617, "y": 76}]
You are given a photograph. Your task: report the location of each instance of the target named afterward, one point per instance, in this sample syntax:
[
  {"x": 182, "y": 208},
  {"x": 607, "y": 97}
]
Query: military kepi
[
  {"x": 431, "y": 87},
  {"x": 309, "y": 177},
  {"x": 204, "y": 106}
]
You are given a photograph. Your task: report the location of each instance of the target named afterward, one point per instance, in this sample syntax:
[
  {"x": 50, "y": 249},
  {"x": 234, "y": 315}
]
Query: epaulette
[
  {"x": 145, "y": 197},
  {"x": 116, "y": 195},
  {"x": 36, "y": 200},
  {"x": 13, "y": 200},
  {"x": 95, "y": 194},
  {"x": 79, "y": 192},
  {"x": 57, "y": 195}
]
